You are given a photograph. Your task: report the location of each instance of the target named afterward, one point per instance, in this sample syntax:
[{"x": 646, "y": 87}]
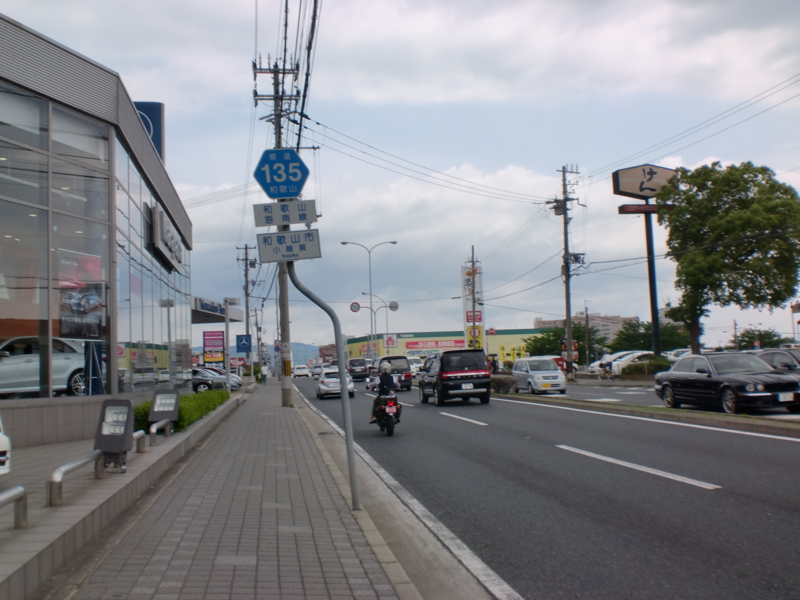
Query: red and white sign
[
  {"x": 390, "y": 341},
  {"x": 491, "y": 331},
  {"x": 436, "y": 344},
  {"x": 474, "y": 316},
  {"x": 237, "y": 361},
  {"x": 355, "y": 307},
  {"x": 120, "y": 351}
]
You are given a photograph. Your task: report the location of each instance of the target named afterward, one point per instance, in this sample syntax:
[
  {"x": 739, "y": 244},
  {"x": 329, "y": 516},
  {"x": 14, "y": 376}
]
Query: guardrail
[
  {"x": 164, "y": 424},
  {"x": 141, "y": 440},
  {"x": 19, "y": 497}
]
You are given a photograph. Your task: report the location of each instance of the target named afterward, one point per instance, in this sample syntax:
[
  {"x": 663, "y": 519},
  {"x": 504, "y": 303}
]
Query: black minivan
[
  {"x": 357, "y": 367},
  {"x": 461, "y": 374}
]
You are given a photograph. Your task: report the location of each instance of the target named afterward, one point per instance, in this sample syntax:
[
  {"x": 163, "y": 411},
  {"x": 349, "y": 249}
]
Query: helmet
[{"x": 385, "y": 368}]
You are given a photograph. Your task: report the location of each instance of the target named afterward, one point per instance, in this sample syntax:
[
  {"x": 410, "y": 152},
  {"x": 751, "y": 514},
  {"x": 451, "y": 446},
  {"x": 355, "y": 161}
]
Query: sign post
[{"x": 644, "y": 182}]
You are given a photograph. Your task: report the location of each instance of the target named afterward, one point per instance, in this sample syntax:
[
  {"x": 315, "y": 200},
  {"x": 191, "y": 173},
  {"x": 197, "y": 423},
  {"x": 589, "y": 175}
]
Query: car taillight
[{"x": 406, "y": 375}]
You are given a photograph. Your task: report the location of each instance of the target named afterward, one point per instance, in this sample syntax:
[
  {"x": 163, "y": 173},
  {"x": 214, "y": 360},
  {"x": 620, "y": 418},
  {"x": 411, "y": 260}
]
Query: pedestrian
[{"x": 264, "y": 374}]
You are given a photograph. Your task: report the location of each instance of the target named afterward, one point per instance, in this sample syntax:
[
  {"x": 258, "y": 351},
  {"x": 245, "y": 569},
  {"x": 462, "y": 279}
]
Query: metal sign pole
[{"x": 340, "y": 359}]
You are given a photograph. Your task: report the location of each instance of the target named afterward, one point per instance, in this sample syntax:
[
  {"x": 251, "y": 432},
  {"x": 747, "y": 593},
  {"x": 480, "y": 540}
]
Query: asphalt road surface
[{"x": 567, "y": 503}]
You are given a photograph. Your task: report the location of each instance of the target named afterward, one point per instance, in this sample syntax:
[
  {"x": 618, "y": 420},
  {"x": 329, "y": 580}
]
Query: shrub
[
  {"x": 648, "y": 368},
  {"x": 503, "y": 384},
  {"x": 193, "y": 408}
]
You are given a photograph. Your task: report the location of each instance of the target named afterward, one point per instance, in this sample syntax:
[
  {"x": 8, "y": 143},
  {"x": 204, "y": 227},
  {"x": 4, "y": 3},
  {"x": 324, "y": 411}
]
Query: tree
[
  {"x": 733, "y": 233},
  {"x": 549, "y": 342},
  {"x": 638, "y": 335},
  {"x": 767, "y": 338}
]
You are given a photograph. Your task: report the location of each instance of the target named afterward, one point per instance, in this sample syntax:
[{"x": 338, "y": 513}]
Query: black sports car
[{"x": 728, "y": 380}]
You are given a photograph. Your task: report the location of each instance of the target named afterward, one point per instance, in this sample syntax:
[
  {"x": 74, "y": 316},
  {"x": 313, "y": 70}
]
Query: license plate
[
  {"x": 391, "y": 410},
  {"x": 466, "y": 386},
  {"x": 786, "y": 396},
  {"x": 546, "y": 385}
]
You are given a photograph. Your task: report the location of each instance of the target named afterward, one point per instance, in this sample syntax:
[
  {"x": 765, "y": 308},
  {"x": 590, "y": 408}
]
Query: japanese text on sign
[
  {"x": 288, "y": 245},
  {"x": 285, "y": 213}
]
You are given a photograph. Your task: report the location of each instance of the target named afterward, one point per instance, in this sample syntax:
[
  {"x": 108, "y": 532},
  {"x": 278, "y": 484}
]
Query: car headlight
[
  {"x": 760, "y": 387},
  {"x": 750, "y": 387}
]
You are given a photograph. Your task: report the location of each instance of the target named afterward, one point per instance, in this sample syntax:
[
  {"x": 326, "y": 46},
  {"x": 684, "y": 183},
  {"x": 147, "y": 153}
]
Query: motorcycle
[{"x": 388, "y": 413}]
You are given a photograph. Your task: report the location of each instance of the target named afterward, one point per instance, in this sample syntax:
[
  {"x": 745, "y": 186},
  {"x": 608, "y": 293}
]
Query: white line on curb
[{"x": 622, "y": 463}]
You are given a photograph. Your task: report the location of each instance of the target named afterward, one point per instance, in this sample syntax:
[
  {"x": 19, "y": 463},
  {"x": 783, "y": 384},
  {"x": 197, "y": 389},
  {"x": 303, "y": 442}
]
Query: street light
[
  {"x": 369, "y": 263},
  {"x": 393, "y": 306}
]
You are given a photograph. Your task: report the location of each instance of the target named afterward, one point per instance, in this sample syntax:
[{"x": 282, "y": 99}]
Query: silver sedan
[{"x": 328, "y": 384}]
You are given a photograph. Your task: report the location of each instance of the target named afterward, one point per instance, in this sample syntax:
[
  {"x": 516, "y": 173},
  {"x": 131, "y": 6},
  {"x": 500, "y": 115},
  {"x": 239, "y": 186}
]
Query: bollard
[{"x": 19, "y": 497}]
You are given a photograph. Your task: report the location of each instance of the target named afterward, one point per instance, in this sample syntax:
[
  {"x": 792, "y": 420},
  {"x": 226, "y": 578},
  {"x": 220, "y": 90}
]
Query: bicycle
[{"x": 606, "y": 372}]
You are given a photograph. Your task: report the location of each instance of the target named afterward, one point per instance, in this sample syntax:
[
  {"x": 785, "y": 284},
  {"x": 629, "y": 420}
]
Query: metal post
[
  {"x": 342, "y": 364},
  {"x": 651, "y": 274},
  {"x": 567, "y": 271}
]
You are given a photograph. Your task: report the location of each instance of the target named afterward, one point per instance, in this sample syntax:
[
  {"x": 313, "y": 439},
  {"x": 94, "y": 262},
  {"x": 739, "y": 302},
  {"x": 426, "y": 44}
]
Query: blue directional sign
[
  {"x": 244, "y": 343},
  {"x": 281, "y": 173}
]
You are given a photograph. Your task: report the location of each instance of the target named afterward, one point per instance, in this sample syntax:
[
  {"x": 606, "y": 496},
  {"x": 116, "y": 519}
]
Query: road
[{"x": 530, "y": 490}]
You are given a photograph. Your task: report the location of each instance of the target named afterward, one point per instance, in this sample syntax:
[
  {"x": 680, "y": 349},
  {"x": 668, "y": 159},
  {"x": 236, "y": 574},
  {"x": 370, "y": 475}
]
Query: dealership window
[
  {"x": 23, "y": 174},
  {"x": 123, "y": 318},
  {"x": 79, "y": 270},
  {"x": 79, "y": 190},
  {"x": 80, "y": 138},
  {"x": 23, "y": 290},
  {"x": 23, "y": 117}
]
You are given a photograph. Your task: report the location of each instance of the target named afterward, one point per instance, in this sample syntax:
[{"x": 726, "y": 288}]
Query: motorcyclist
[{"x": 385, "y": 386}]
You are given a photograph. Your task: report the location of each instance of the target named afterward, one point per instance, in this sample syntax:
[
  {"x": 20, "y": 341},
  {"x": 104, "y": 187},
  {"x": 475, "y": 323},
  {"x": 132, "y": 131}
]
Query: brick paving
[{"x": 255, "y": 513}]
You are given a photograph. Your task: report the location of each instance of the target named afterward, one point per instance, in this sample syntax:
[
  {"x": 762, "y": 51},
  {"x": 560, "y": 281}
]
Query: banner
[
  {"x": 436, "y": 345},
  {"x": 81, "y": 300}
]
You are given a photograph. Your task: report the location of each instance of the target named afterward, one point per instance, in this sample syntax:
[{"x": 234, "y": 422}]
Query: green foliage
[
  {"x": 549, "y": 342},
  {"x": 638, "y": 335},
  {"x": 647, "y": 368},
  {"x": 503, "y": 384},
  {"x": 193, "y": 407},
  {"x": 767, "y": 338},
  {"x": 733, "y": 234}
]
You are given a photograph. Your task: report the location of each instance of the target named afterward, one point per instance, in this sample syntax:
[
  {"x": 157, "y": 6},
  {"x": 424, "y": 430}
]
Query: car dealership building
[{"x": 95, "y": 295}]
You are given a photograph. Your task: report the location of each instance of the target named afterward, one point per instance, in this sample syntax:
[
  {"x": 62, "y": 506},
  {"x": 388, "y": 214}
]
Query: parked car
[
  {"x": 674, "y": 355},
  {"x": 329, "y": 384},
  {"x": 785, "y": 360},
  {"x": 629, "y": 359},
  {"x": 400, "y": 368},
  {"x": 19, "y": 366},
  {"x": 595, "y": 369},
  {"x": 236, "y": 381},
  {"x": 728, "y": 380},
  {"x": 5, "y": 452},
  {"x": 301, "y": 371},
  {"x": 538, "y": 375},
  {"x": 456, "y": 374},
  {"x": 357, "y": 367},
  {"x": 415, "y": 362},
  {"x": 204, "y": 380}
]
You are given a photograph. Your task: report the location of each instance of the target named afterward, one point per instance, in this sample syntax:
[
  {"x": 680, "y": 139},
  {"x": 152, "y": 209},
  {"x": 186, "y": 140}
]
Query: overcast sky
[{"x": 498, "y": 94}]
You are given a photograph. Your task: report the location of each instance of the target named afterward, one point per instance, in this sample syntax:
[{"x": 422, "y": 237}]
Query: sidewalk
[{"x": 255, "y": 512}]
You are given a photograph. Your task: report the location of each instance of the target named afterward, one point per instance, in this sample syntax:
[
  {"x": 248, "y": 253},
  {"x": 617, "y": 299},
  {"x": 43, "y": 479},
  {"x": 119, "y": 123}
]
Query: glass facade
[{"x": 80, "y": 283}]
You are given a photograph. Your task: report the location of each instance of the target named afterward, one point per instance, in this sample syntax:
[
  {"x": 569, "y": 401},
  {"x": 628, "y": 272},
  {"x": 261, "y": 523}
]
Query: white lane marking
[
  {"x": 409, "y": 405},
  {"x": 789, "y": 417},
  {"x": 631, "y": 393},
  {"x": 769, "y": 436},
  {"x": 622, "y": 463},
  {"x": 482, "y": 572},
  {"x": 463, "y": 419}
]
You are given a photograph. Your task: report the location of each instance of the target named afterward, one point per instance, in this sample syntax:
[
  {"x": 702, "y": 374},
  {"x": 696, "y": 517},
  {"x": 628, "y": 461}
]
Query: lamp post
[
  {"x": 228, "y": 303},
  {"x": 372, "y": 313},
  {"x": 393, "y": 306}
]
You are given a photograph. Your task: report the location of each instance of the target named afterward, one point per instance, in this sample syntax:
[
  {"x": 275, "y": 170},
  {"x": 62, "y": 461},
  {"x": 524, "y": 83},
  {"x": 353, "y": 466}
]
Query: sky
[{"x": 442, "y": 125}]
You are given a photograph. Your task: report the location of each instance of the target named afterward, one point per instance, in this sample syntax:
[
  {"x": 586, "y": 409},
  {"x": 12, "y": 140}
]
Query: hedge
[
  {"x": 648, "y": 368},
  {"x": 193, "y": 408},
  {"x": 503, "y": 384}
]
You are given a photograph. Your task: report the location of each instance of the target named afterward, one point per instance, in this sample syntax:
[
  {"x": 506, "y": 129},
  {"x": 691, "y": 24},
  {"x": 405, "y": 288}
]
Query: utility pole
[
  {"x": 473, "y": 338},
  {"x": 735, "y": 335},
  {"x": 586, "y": 326},
  {"x": 278, "y": 97},
  {"x": 561, "y": 207},
  {"x": 248, "y": 264}
]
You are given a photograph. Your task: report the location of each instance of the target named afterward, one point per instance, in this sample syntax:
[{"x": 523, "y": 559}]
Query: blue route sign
[
  {"x": 281, "y": 173},
  {"x": 244, "y": 343}
]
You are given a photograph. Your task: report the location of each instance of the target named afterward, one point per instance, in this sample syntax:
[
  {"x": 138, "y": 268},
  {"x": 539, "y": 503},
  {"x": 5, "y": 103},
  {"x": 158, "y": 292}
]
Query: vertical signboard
[
  {"x": 213, "y": 347},
  {"x": 471, "y": 294}
]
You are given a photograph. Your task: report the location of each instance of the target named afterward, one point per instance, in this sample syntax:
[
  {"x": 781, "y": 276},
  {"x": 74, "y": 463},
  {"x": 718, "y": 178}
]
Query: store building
[{"x": 95, "y": 295}]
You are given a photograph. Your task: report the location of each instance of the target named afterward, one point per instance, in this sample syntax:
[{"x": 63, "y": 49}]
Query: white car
[
  {"x": 594, "y": 368},
  {"x": 5, "y": 452},
  {"x": 415, "y": 362},
  {"x": 301, "y": 371},
  {"x": 630, "y": 358},
  {"x": 329, "y": 384},
  {"x": 19, "y": 366}
]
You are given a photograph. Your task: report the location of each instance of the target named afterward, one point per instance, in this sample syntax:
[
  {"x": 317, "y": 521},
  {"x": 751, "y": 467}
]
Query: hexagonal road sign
[{"x": 281, "y": 173}]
